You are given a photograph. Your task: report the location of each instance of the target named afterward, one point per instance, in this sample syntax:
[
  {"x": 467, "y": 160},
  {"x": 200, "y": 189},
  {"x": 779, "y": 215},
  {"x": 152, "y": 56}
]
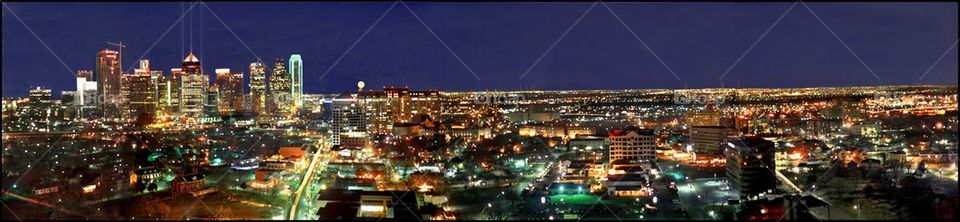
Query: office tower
[
  {"x": 280, "y": 88},
  {"x": 706, "y": 139},
  {"x": 85, "y": 98},
  {"x": 349, "y": 118},
  {"x": 168, "y": 100},
  {"x": 397, "y": 105},
  {"x": 632, "y": 145},
  {"x": 258, "y": 87},
  {"x": 193, "y": 88},
  {"x": 296, "y": 80},
  {"x": 40, "y": 108},
  {"x": 140, "y": 93},
  {"x": 108, "y": 72},
  {"x": 750, "y": 165},
  {"x": 211, "y": 101},
  {"x": 230, "y": 88}
]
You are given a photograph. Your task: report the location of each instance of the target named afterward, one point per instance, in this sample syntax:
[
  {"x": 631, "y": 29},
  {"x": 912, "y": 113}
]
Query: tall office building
[
  {"x": 632, "y": 145},
  {"x": 140, "y": 93},
  {"x": 258, "y": 87},
  {"x": 169, "y": 94},
  {"x": 40, "y": 108},
  {"x": 397, "y": 105},
  {"x": 296, "y": 80},
  {"x": 230, "y": 88},
  {"x": 280, "y": 88},
  {"x": 707, "y": 139},
  {"x": 85, "y": 100},
  {"x": 349, "y": 118},
  {"x": 750, "y": 165},
  {"x": 193, "y": 88},
  {"x": 108, "y": 73}
]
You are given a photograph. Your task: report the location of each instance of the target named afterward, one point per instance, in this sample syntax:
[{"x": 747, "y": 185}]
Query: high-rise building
[
  {"x": 193, "y": 88},
  {"x": 707, "y": 139},
  {"x": 168, "y": 99},
  {"x": 280, "y": 88},
  {"x": 632, "y": 145},
  {"x": 140, "y": 93},
  {"x": 258, "y": 87},
  {"x": 750, "y": 165},
  {"x": 108, "y": 73},
  {"x": 296, "y": 80},
  {"x": 211, "y": 101},
  {"x": 397, "y": 105},
  {"x": 40, "y": 108},
  {"x": 349, "y": 118},
  {"x": 85, "y": 98},
  {"x": 230, "y": 88}
]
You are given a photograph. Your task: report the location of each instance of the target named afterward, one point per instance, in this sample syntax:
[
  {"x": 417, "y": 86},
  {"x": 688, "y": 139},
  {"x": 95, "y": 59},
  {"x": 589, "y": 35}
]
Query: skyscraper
[
  {"x": 193, "y": 87},
  {"x": 86, "y": 95},
  {"x": 258, "y": 87},
  {"x": 280, "y": 88},
  {"x": 230, "y": 88},
  {"x": 140, "y": 92},
  {"x": 296, "y": 80},
  {"x": 750, "y": 165},
  {"x": 349, "y": 118},
  {"x": 108, "y": 74}
]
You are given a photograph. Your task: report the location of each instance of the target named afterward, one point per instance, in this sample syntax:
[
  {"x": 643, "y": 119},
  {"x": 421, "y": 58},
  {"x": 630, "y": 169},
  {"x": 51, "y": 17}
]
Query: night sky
[{"x": 499, "y": 42}]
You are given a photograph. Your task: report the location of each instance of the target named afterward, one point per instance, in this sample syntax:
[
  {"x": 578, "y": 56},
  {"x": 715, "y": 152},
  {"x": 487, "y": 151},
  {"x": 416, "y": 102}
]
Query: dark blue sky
[{"x": 499, "y": 42}]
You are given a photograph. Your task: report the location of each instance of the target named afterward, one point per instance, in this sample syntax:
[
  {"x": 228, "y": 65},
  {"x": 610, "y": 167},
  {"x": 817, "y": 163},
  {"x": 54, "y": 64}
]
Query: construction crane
[{"x": 121, "y": 46}]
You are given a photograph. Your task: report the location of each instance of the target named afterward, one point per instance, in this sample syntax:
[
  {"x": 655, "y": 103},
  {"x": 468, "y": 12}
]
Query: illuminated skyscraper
[
  {"x": 108, "y": 74},
  {"x": 230, "y": 88},
  {"x": 140, "y": 93},
  {"x": 750, "y": 165},
  {"x": 86, "y": 95},
  {"x": 258, "y": 87},
  {"x": 40, "y": 108},
  {"x": 296, "y": 80},
  {"x": 280, "y": 88},
  {"x": 349, "y": 118},
  {"x": 193, "y": 87},
  {"x": 397, "y": 105}
]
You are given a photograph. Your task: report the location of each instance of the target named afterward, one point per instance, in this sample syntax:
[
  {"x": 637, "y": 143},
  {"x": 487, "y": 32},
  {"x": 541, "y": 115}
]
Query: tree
[
  {"x": 152, "y": 187},
  {"x": 140, "y": 187},
  {"x": 151, "y": 207},
  {"x": 243, "y": 185}
]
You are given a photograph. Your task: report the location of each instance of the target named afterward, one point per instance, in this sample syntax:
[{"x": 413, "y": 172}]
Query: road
[{"x": 305, "y": 182}]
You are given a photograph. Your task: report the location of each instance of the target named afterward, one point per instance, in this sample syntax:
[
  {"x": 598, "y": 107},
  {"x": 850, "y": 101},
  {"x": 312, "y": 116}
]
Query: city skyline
[{"x": 929, "y": 57}]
